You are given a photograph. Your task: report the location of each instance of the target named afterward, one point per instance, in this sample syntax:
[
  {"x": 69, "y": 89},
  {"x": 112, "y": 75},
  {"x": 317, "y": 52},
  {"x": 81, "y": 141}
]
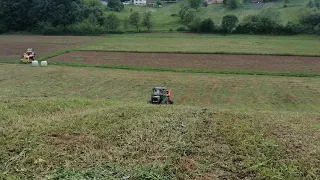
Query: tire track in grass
[
  {"x": 88, "y": 88},
  {"x": 220, "y": 93},
  {"x": 252, "y": 94},
  {"x": 280, "y": 95},
  {"x": 201, "y": 92},
  {"x": 287, "y": 99},
  {"x": 293, "y": 90},
  {"x": 210, "y": 91},
  {"x": 190, "y": 95},
  {"x": 235, "y": 87}
]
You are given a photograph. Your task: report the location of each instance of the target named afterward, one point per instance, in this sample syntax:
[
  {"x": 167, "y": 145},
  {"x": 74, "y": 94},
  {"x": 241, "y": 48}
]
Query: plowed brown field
[
  {"x": 293, "y": 64},
  {"x": 12, "y": 47}
]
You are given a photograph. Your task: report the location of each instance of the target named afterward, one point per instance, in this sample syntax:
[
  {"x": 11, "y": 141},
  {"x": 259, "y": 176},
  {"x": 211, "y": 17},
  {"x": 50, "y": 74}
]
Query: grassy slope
[
  {"x": 163, "y": 21},
  {"x": 84, "y": 123},
  {"x": 189, "y": 43}
]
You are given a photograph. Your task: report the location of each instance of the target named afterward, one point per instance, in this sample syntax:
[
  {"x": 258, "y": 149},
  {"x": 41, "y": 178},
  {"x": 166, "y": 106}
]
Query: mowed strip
[
  {"x": 261, "y": 63},
  {"x": 237, "y": 92},
  {"x": 12, "y": 47}
]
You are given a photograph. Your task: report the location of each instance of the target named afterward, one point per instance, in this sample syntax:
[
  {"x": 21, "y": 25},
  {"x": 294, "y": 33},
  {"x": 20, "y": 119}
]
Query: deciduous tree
[
  {"x": 134, "y": 19},
  {"x": 146, "y": 22},
  {"x": 229, "y": 22}
]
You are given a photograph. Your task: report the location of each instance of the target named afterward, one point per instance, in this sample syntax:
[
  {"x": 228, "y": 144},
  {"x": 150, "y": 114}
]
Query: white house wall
[{"x": 140, "y": 2}]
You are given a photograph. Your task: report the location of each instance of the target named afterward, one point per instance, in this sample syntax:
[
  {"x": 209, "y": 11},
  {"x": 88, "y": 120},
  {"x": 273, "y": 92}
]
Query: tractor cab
[{"x": 161, "y": 95}]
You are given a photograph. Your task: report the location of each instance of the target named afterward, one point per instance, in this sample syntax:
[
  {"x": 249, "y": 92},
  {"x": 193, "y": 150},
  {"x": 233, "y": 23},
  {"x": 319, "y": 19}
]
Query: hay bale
[
  {"x": 35, "y": 63},
  {"x": 44, "y": 63}
]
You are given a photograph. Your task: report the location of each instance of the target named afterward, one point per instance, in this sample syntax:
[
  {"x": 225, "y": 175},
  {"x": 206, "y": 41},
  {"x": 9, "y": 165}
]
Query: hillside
[
  {"x": 164, "y": 21},
  {"x": 80, "y": 123}
]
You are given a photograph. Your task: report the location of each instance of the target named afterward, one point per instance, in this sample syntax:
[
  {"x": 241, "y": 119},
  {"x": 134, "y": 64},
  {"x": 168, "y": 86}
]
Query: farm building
[
  {"x": 140, "y": 2},
  {"x": 152, "y": 3},
  {"x": 214, "y": 1},
  {"x": 145, "y": 2}
]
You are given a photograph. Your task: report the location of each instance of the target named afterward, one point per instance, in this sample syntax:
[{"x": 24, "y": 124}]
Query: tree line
[
  {"x": 84, "y": 17},
  {"x": 58, "y": 16}
]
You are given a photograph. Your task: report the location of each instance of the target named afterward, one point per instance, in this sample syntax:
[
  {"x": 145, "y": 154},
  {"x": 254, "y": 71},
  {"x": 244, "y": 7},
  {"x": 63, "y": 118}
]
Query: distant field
[
  {"x": 194, "y": 43},
  {"x": 166, "y": 18},
  {"x": 13, "y": 46},
  {"x": 85, "y": 123}
]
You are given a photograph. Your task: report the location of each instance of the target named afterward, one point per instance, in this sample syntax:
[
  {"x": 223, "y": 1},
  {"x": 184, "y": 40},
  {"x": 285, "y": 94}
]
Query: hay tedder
[
  {"x": 28, "y": 56},
  {"x": 161, "y": 95}
]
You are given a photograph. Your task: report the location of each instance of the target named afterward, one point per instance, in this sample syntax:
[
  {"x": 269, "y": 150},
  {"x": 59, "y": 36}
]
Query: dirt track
[
  {"x": 12, "y": 47},
  {"x": 196, "y": 61}
]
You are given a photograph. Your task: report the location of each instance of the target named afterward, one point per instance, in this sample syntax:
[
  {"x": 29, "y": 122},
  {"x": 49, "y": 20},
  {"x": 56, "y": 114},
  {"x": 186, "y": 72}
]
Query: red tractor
[{"x": 28, "y": 56}]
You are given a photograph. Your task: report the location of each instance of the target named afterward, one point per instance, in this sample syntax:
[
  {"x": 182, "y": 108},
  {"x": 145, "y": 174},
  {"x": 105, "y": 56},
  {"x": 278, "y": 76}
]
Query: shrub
[
  {"x": 293, "y": 28},
  {"x": 115, "y": 5},
  {"x": 112, "y": 22},
  {"x": 194, "y": 26},
  {"x": 229, "y": 22},
  {"x": 257, "y": 24},
  {"x": 317, "y": 29},
  {"x": 195, "y": 3},
  {"x": 188, "y": 17},
  {"x": 51, "y": 30},
  {"x": 207, "y": 25},
  {"x": 182, "y": 28},
  {"x": 182, "y": 13},
  {"x": 86, "y": 28},
  {"x": 232, "y": 4},
  {"x": 310, "y": 4}
]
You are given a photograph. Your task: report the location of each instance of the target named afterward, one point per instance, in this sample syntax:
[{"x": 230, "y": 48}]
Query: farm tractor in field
[
  {"x": 28, "y": 56},
  {"x": 160, "y": 95}
]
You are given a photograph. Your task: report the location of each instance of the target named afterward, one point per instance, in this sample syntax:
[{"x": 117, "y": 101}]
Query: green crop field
[
  {"x": 193, "y": 43},
  {"x": 84, "y": 123}
]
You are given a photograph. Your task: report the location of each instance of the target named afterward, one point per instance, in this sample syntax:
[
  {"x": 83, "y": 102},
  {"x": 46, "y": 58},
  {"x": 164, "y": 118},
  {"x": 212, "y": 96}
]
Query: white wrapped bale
[
  {"x": 35, "y": 63},
  {"x": 44, "y": 63}
]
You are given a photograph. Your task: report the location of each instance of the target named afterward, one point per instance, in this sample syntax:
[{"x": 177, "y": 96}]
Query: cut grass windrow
[
  {"x": 160, "y": 52},
  {"x": 183, "y": 70},
  {"x": 190, "y": 70},
  {"x": 196, "y": 52}
]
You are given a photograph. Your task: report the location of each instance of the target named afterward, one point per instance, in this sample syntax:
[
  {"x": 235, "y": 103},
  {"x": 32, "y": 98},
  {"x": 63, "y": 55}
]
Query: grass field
[
  {"x": 80, "y": 123},
  {"x": 191, "y": 43},
  {"x": 60, "y": 122}
]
